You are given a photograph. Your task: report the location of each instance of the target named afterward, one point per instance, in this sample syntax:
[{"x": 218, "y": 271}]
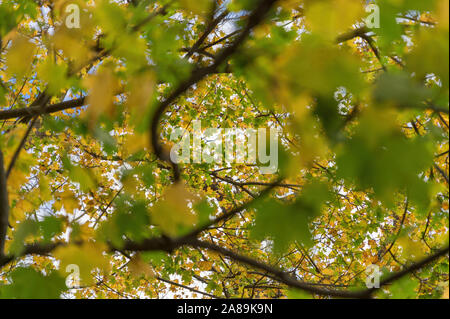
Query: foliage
[{"x": 86, "y": 178}]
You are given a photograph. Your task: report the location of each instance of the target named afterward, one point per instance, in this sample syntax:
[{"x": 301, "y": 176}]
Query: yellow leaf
[
  {"x": 22, "y": 207},
  {"x": 44, "y": 187},
  {"x": 197, "y": 6},
  {"x": 130, "y": 184},
  {"x": 102, "y": 88},
  {"x": 16, "y": 179},
  {"x": 86, "y": 257},
  {"x": 135, "y": 142},
  {"x": 445, "y": 206},
  {"x": 20, "y": 56},
  {"x": 204, "y": 265},
  {"x": 411, "y": 250},
  {"x": 445, "y": 294},
  {"x": 71, "y": 43},
  {"x": 141, "y": 90},
  {"x": 328, "y": 272},
  {"x": 332, "y": 17},
  {"x": 139, "y": 268},
  {"x": 81, "y": 232},
  {"x": 173, "y": 212},
  {"x": 441, "y": 238},
  {"x": 68, "y": 200},
  {"x": 443, "y": 19}
]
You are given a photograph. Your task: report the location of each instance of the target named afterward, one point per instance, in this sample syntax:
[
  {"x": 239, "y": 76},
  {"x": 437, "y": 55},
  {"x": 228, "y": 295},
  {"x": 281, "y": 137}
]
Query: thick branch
[
  {"x": 287, "y": 279},
  {"x": 168, "y": 244},
  {"x": 38, "y": 110},
  {"x": 4, "y": 205},
  {"x": 416, "y": 266}
]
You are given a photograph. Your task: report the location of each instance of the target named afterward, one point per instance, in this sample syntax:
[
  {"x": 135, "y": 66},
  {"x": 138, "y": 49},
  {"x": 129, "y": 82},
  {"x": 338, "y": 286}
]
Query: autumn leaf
[
  {"x": 87, "y": 256},
  {"x": 20, "y": 56},
  {"x": 140, "y": 268},
  {"x": 361, "y": 154},
  {"x": 173, "y": 211},
  {"x": 103, "y": 87}
]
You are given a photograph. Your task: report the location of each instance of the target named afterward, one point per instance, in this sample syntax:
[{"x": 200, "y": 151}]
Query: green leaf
[
  {"x": 404, "y": 288},
  {"x": 50, "y": 227},
  {"x": 54, "y": 74},
  {"x": 27, "y": 283},
  {"x": 287, "y": 223},
  {"x": 379, "y": 157},
  {"x": 156, "y": 258},
  {"x": 430, "y": 56},
  {"x": 130, "y": 221},
  {"x": 25, "y": 229},
  {"x": 204, "y": 211},
  {"x": 400, "y": 90},
  {"x": 298, "y": 294}
]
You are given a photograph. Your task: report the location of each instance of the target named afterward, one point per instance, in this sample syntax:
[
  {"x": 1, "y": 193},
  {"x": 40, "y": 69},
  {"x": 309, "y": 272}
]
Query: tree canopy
[{"x": 94, "y": 205}]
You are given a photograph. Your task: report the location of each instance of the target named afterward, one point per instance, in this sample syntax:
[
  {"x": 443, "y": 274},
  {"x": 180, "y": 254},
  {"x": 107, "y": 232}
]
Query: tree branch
[
  {"x": 197, "y": 75},
  {"x": 4, "y": 206},
  {"x": 168, "y": 244},
  {"x": 37, "y": 110},
  {"x": 19, "y": 148},
  {"x": 206, "y": 33}
]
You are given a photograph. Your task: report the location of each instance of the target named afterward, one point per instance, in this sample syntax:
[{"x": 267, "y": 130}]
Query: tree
[{"x": 92, "y": 204}]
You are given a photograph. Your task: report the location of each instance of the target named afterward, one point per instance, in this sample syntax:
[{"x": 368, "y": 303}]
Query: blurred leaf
[
  {"x": 404, "y": 288},
  {"x": 400, "y": 90},
  {"x": 87, "y": 256},
  {"x": 27, "y": 283},
  {"x": 379, "y": 157},
  {"x": 20, "y": 56},
  {"x": 25, "y": 229},
  {"x": 172, "y": 212},
  {"x": 287, "y": 223},
  {"x": 140, "y": 268}
]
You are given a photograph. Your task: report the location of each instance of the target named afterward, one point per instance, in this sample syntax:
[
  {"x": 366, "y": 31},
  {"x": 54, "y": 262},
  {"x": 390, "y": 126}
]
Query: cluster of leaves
[{"x": 86, "y": 118}]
